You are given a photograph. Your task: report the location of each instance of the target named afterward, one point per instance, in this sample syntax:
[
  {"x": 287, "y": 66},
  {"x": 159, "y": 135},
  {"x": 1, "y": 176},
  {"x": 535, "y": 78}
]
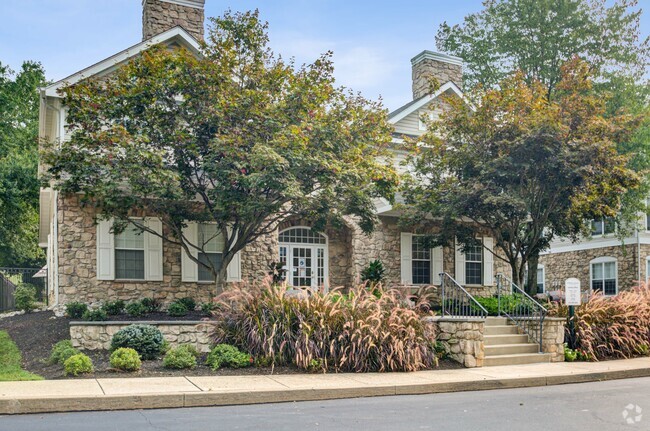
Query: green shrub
[
  {"x": 62, "y": 351},
  {"x": 78, "y": 364},
  {"x": 177, "y": 309},
  {"x": 135, "y": 309},
  {"x": 188, "y": 302},
  {"x": 373, "y": 273},
  {"x": 151, "y": 305},
  {"x": 181, "y": 357},
  {"x": 207, "y": 308},
  {"x": 97, "y": 315},
  {"x": 25, "y": 297},
  {"x": 570, "y": 355},
  {"x": 75, "y": 310},
  {"x": 113, "y": 308},
  {"x": 147, "y": 340},
  {"x": 225, "y": 355},
  {"x": 126, "y": 359}
]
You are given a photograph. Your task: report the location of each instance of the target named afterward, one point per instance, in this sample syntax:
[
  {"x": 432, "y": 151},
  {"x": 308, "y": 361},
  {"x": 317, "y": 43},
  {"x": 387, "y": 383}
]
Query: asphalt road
[{"x": 587, "y": 406}]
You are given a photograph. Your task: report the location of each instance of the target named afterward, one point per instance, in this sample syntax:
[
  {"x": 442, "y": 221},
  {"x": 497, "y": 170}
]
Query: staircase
[{"x": 504, "y": 345}]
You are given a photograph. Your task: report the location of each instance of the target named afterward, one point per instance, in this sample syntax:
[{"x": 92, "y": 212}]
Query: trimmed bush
[
  {"x": 25, "y": 297},
  {"x": 75, "y": 310},
  {"x": 135, "y": 309},
  {"x": 62, "y": 351},
  {"x": 126, "y": 359},
  {"x": 177, "y": 309},
  {"x": 147, "y": 340},
  {"x": 361, "y": 332},
  {"x": 182, "y": 357},
  {"x": 188, "y": 302},
  {"x": 78, "y": 364},
  {"x": 225, "y": 355},
  {"x": 113, "y": 308},
  {"x": 150, "y": 305},
  {"x": 97, "y": 315}
]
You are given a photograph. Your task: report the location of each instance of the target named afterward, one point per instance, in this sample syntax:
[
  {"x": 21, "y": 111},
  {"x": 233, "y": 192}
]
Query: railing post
[
  {"x": 442, "y": 287},
  {"x": 499, "y": 292}
]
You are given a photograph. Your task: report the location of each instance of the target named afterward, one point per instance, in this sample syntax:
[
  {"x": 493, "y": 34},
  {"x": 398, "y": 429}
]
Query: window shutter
[
  {"x": 153, "y": 249},
  {"x": 234, "y": 267},
  {"x": 406, "y": 246},
  {"x": 105, "y": 250},
  {"x": 488, "y": 261},
  {"x": 189, "y": 268},
  {"x": 436, "y": 265},
  {"x": 460, "y": 265}
]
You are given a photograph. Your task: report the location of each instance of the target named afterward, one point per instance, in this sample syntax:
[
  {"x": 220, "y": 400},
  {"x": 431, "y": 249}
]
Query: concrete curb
[{"x": 68, "y": 403}]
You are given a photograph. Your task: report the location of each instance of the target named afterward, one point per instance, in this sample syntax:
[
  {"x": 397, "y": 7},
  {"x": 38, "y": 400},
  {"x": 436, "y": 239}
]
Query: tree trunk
[
  {"x": 531, "y": 283},
  {"x": 517, "y": 275}
]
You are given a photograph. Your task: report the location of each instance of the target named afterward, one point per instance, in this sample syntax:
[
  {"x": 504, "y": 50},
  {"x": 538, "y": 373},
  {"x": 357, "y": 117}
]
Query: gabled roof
[
  {"x": 416, "y": 104},
  {"x": 177, "y": 34}
]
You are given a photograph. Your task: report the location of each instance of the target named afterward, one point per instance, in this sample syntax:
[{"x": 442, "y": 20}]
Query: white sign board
[{"x": 572, "y": 291}]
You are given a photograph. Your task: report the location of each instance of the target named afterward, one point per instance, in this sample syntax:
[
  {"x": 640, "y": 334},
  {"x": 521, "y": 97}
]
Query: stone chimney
[
  {"x": 161, "y": 15},
  {"x": 443, "y": 67}
]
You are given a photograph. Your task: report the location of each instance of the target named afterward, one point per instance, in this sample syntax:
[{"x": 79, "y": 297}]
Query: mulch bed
[
  {"x": 36, "y": 333},
  {"x": 157, "y": 316}
]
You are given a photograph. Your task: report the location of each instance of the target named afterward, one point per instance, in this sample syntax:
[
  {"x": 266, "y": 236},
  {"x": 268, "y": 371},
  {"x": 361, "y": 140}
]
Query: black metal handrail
[
  {"x": 524, "y": 311},
  {"x": 458, "y": 302}
]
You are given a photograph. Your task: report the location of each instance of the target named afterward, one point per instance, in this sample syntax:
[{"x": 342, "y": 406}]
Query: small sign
[
  {"x": 301, "y": 263},
  {"x": 572, "y": 295}
]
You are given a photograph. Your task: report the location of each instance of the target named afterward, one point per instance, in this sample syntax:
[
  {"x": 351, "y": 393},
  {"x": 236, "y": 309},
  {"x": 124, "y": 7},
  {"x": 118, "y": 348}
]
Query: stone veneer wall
[
  {"x": 552, "y": 336},
  {"x": 159, "y": 16},
  {"x": 442, "y": 71},
  {"x": 463, "y": 339},
  {"x": 562, "y": 265},
  {"x": 98, "y": 335}
]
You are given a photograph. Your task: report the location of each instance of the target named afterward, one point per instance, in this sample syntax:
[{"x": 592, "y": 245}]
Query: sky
[{"x": 372, "y": 40}]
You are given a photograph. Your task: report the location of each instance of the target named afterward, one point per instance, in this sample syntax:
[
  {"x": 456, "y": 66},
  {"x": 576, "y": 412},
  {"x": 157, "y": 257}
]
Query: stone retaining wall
[
  {"x": 552, "y": 337},
  {"x": 98, "y": 335},
  {"x": 463, "y": 339}
]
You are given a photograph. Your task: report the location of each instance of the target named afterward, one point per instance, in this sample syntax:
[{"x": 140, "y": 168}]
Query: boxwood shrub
[
  {"x": 181, "y": 357},
  {"x": 225, "y": 355},
  {"x": 126, "y": 359},
  {"x": 78, "y": 364},
  {"x": 147, "y": 340},
  {"x": 75, "y": 309},
  {"x": 62, "y": 351}
]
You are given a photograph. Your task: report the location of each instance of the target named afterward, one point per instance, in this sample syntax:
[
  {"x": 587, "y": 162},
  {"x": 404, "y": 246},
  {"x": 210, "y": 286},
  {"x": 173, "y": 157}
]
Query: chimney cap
[
  {"x": 198, "y": 4},
  {"x": 438, "y": 56}
]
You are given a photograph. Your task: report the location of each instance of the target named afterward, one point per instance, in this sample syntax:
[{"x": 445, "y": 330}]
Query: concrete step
[
  {"x": 511, "y": 349},
  {"x": 492, "y": 340},
  {"x": 496, "y": 321},
  {"x": 501, "y": 330},
  {"x": 516, "y": 359}
]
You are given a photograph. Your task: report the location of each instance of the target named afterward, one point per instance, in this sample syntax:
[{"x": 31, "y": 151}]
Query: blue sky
[{"x": 373, "y": 41}]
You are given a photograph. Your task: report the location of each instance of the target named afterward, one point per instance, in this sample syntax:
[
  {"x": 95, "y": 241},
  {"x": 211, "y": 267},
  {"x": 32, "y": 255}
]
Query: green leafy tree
[
  {"x": 537, "y": 37},
  {"x": 235, "y": 136},
  {"x": 19, "y": 183},
  {"x": 521, "y": 168}
]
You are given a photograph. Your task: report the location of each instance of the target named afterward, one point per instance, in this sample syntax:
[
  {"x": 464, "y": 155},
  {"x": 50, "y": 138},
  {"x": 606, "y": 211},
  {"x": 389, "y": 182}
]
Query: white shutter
[
  {"x": 234, "y": 267},
  {"x": 460, "y": 265},
  {"x": 153, "y": 250},
  {"x": 436, "y": 264},
  {"x": 406, "y": 246},
  {"x": 488, "y": 261},
  {"x": 189, "y": 268},
  {"x": 105, "y": 250}
]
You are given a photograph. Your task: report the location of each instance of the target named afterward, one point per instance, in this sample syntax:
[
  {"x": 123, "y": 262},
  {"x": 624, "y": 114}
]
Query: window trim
[
  {"x": 315, "y": 246},
  {"x": 541, "y": 266},
  {"x": 603, "y": 260},
  {"x": 198, "y": 253},
  {"x": 143, "y": 250},
  {"x": 430, "y": 260},
  {"x": 482, "y": 262},
  {"x": 604, "y": 233}
]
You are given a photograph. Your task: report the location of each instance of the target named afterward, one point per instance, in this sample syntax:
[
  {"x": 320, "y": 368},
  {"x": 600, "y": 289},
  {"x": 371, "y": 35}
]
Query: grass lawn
[{"x": 10, "y": 361}]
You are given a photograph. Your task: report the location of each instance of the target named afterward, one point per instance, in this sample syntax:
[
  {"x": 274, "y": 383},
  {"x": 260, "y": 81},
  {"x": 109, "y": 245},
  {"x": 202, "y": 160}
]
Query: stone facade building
[{"x": 88, "y": 263}]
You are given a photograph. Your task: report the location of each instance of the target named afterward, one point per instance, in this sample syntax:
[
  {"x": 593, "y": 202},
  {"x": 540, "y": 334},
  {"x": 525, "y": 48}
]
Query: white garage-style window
[
  {"x": 209, "y": 239},
  {"x": 419, "y": 265},
  {"x": 131, "y": 254},
  {"x": 604, "y": 275},
  {"x": 304, "y": 257}
]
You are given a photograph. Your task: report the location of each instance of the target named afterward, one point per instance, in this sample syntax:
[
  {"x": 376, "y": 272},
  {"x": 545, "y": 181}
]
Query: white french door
[{"x": 303, "y": 255}]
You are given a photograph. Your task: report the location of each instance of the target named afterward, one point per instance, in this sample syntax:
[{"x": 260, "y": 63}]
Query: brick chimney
[
  {"x": 161, "y": 15},
  {"x": 443, "y": 67}
]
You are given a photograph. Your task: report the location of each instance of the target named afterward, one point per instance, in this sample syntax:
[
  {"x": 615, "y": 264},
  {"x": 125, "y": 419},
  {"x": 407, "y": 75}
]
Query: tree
[
  {"x": 521, "y": 168},
  {"x": 19, "y": 185},
  {"x": 235, "y": 136},
  {"x": 537, "y": 36}
]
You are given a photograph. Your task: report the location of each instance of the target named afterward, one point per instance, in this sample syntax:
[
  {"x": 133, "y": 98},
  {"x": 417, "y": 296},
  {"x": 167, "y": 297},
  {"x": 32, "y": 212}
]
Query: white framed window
[
  {"x": 541, "y": 279},
  {"x": 212, "y": 243},
  {"x": 420, "y": 261},
  {"x": 604, "y": 275},
  {"x": 419, "y": 265},
  {"x": 303, "y": 254},
  {"x": 474, "y": 264},
  {"x": 129, "y": 254},
  {"x": 603, "y": 227},
  {"x": 422, "y": 125}
]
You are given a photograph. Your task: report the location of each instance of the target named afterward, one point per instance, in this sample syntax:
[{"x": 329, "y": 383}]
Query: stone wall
[
  {"x": 463, "y": 339},
  {"x": 160, "y": 15},
  {"x": 552, "y": 336},
  {"x": 98, "y": 335},
  {"x": 562, "y": 265}
]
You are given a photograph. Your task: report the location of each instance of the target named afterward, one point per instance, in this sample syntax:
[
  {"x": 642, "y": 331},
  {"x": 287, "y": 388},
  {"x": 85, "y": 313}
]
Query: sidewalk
[{"x": 170, "y": 392}]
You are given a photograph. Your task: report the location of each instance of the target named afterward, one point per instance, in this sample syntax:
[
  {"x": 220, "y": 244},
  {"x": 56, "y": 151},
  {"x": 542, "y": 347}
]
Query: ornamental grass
[{"x": 356, "y": 331}]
